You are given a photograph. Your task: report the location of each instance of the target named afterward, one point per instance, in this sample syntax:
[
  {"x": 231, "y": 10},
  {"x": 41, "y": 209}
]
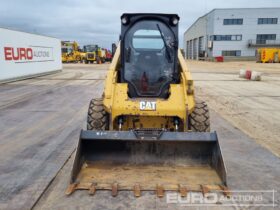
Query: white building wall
[
  {"x": 248, "y": 30},
  {"x": 212, "y": 24},
  {"x": 210, "y": 31},
  {"x": 197, "y": 30}
]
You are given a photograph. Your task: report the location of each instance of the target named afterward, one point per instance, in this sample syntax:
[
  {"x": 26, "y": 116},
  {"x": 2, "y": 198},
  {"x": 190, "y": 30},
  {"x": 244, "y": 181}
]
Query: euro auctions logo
[
  {"x": 237, "y": 198},
  {"x": 28, "y": 54},
  {"x": 18, "y": 53}
]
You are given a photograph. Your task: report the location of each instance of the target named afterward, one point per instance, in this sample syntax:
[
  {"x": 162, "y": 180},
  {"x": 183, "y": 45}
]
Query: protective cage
[{"x": 123, "y": 160}]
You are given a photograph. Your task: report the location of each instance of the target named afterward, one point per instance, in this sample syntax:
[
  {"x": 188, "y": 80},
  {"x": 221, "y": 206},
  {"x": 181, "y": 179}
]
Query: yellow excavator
[
  {"x": 70, "y": 52},
  {"x": 148, "y": 132}
]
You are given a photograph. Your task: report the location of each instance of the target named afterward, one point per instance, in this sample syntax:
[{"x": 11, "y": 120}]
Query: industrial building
[{"x": 232, "y": 33}]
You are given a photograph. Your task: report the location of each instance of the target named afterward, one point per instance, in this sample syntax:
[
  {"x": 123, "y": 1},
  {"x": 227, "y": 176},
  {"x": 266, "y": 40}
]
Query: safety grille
[
  {"x": 148, "y": 133},
  {"x": 90, "y": 55}
]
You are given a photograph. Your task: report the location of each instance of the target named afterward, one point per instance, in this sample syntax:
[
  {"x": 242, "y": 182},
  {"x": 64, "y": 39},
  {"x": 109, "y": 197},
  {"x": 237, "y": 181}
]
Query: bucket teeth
[
  {"x": 160, "y": 191},
  {"x": 225, "y": 190},
  {"x": 204, "y": 190},
  {"x": 114, "y": 189},
  {"x": 183, "y": 190},
  {"x": 71, "y": 188},
  {"x": 137, "y": 190},
  {"x": 92, "y": 189}
]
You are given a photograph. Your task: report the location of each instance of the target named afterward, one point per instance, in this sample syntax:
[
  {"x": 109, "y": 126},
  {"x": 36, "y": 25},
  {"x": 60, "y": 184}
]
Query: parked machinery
[
  {"x": 114, "y": 48},
  {"x": 259, "y": 55},
  {"x": 70, "y": 52},
  {"x": 277, "y": 56},
  {"x": 93, "y": 53},
  {"x": 90, "y": 55},
  {"x": 268, "y": 55},
  {"x": 108, "y": 56}
]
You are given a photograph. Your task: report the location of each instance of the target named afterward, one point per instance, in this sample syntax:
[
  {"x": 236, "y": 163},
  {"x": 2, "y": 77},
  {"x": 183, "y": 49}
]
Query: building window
[
  {"x": 262, "y": 38},
  {"x": 231, "y": 53},
  {"x": 233, "y": 21},
  {"x": 226, "y": 38},
  {"x": 267, "y": 21}
]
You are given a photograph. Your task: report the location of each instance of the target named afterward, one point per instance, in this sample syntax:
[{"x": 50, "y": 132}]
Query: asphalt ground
[{"x": 40, "y": 121}]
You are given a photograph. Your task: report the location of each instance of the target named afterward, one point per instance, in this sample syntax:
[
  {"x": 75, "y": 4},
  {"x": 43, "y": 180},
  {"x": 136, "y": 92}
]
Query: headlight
[
  {"x": 124, "y": 20},
  {"x": 174, "y": 21}
]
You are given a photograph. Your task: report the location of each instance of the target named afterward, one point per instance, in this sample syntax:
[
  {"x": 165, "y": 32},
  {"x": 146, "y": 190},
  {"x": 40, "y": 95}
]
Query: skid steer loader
[{"x": 147, "y": 132}]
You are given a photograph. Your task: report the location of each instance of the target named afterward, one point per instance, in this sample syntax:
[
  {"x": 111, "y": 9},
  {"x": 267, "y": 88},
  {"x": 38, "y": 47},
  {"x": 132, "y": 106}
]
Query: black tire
[
  {"x": 97, "y": 117},
  {"x": 86, "y": 61},
  {"x": 199, "y": 119}
]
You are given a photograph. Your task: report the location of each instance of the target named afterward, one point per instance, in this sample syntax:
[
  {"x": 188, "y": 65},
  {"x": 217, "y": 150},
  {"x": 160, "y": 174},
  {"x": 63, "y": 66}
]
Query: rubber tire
[
  {"x": 97, "y": 118},
  {"x": 199, "y": 119}
]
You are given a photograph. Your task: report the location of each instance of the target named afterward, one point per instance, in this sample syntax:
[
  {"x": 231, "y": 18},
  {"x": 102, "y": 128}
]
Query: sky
[{"x": 98, "y": 21}]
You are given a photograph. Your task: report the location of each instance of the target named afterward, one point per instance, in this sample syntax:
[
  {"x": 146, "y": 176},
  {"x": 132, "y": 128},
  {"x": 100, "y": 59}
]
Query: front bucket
[{"x": 120, "y": 160}]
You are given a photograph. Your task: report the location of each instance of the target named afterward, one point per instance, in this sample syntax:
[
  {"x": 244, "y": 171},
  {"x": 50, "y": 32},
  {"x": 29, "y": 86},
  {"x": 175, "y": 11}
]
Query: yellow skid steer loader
[{"x": 148, "y": 132}]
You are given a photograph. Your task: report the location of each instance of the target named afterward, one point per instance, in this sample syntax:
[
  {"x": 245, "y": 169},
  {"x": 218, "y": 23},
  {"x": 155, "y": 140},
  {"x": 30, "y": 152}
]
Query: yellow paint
[
  {"x": 278, "y": 53},
  {"x": 90, "y": 56},
  {"x": 74, "y": 56},
  {"x": 100, "y": 53},
  {"x": 179, "y": 104},
  {"x": 267, "y": 55}
]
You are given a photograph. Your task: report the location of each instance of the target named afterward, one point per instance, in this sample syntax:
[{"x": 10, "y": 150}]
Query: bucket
[{"x": 121, "y": 160}]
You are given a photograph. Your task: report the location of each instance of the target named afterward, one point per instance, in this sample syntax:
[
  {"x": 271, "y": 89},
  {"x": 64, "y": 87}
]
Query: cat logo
[{"x": 148, "y": 105}]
